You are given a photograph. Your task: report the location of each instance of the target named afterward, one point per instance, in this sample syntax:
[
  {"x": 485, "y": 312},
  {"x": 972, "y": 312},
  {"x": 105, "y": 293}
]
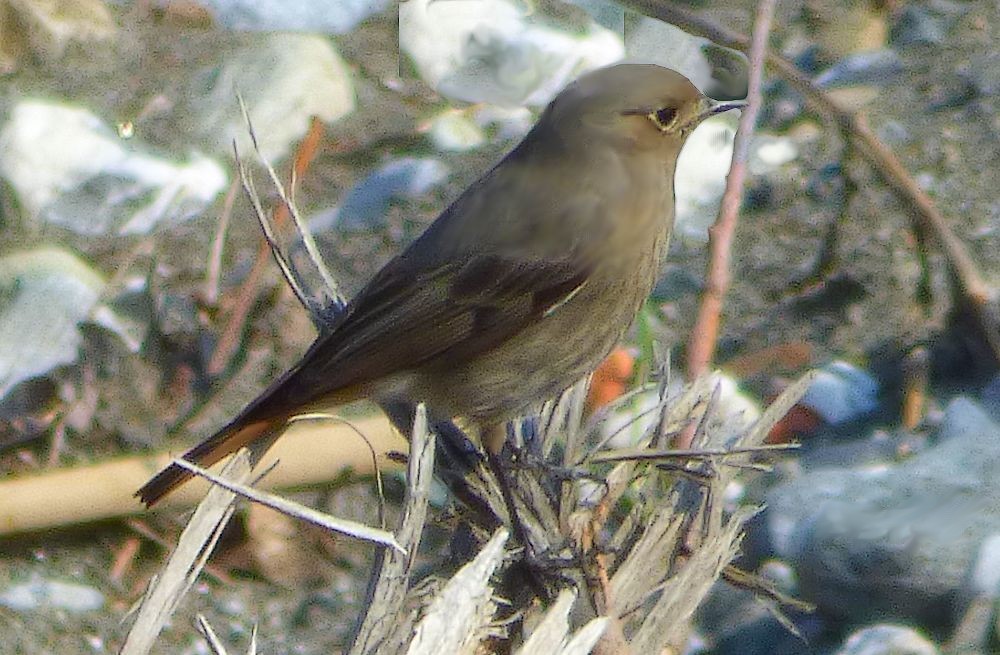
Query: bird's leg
[
  {"x": 457, "y": 455},
  {"x": 494, "y": 438}
]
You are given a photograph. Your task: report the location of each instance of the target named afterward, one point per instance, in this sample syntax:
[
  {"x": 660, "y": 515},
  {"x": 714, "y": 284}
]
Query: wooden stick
[{"x": 310, "y": 453}]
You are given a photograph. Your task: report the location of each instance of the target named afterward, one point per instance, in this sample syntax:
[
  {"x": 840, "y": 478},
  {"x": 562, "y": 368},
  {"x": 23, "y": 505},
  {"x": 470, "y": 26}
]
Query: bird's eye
[{"x": 663, "y": 118}]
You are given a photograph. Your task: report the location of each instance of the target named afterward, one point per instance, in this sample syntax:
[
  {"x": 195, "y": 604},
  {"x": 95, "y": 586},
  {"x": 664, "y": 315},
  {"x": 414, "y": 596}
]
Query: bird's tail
[{"x": 208, "y": 452}]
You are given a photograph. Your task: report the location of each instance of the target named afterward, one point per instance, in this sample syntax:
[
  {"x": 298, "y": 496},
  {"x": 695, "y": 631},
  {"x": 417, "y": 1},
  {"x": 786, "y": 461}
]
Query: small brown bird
[{"x": 522, "y": 286}]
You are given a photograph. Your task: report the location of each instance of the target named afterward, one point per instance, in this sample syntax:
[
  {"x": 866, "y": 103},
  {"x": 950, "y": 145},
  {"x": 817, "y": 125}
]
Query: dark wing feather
[{"x": 405, "y": 318}]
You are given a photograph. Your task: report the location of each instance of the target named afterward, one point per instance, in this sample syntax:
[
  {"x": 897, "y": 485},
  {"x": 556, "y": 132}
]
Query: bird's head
[{"x": 641, "y": 106}]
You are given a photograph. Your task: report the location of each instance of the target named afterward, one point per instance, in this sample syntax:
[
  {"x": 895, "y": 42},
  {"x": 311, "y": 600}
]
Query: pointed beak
[{"x": 714, "y": 107}]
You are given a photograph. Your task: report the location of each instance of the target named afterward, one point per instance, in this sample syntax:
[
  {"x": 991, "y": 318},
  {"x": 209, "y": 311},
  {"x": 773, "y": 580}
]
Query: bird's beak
[{"x": 713, "y": 107}]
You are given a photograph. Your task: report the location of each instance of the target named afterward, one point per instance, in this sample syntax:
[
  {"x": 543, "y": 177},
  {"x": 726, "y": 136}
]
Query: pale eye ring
[{"x": 663, "y": 118}]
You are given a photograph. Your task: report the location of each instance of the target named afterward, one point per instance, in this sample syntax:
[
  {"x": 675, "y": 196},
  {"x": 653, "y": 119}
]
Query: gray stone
[
  {"x": 842, "y": 392},
  {"x": 917, "y": 25},
  {"x": 895, "y": 540},
  {"x": 984, "y": 73},
  {"x": 887, "y": 640},
  {"x": 285, "y": 80},
  {"x": 876, "y": 67},
  {"x": 365, "y": 205}
]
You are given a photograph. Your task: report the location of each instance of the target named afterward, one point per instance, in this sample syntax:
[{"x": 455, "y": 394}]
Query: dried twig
[
  {"x": 250, "y": 189},
  {"x": 763, "y": 587},
  {"x": 705, "y": 332},
  {"x": 215, "y": 644},
  {"x": 288, "y": 206},
  {"x": 297, "y": 510},
  {"x": 247, "y": 294},
  {"x": 195, "y": 544},
  {"x": 213, "y": 271},
  {"x": 640, "y": 454},
  {"x": 356, "y": 429},
  {"x": 208, "y": 632},
  {"x": 391, "y": 570}
]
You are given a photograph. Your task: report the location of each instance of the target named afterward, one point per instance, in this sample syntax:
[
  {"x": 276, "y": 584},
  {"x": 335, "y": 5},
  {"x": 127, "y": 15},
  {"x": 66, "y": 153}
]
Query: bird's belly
[{"x": 542, "y": 360}]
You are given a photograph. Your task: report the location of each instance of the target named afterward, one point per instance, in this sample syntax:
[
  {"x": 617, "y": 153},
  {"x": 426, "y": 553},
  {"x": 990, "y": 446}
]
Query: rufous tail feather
[{"x": 205, "y": 454}]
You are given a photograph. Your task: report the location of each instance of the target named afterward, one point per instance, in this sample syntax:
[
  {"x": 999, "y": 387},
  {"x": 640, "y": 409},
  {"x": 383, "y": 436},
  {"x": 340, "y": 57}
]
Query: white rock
[
  {"x": 285, "y": 79},
  {"x": 701, "y": 177},
  {"x": 508, "y": 122},
  {"x": 48, "y": 292},
  {"x": 629, "y": 422},
  {"x": 455, "y": 131},
  {"x": 69, "y": 168},
  {"x": 652, "y": 41},
  {"x": 316, "y": 16},
  {"x": 703, "y": 166},
  {"x": 39, "y": 594},
  {"x": 887, "y": 639},
  {"x": 495, "y": 51}
]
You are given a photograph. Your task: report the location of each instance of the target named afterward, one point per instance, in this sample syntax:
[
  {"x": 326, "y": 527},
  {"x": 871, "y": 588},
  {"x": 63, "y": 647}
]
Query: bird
[{"x": 521, "y": 287}]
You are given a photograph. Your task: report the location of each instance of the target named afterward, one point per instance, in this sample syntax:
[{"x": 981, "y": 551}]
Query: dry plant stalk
[
  {"x": 639, "y": 578},
  {"x": 391, "y": 571},
  {"x": 705, "y": 333},
  {"x": 193, "y": 548}
]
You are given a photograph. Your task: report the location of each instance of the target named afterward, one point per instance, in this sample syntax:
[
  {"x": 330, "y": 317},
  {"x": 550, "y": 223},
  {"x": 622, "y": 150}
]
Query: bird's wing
[
  {"x": 405, "y": 318},
  {"x": 499, "y": 259}
]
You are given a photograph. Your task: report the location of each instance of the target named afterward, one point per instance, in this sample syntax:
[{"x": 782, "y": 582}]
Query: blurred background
[{"x": 138, "y": 309}]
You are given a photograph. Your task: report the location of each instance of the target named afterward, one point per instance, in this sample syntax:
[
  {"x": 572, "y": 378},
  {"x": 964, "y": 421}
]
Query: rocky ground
[{"x": 147, "y": 87}]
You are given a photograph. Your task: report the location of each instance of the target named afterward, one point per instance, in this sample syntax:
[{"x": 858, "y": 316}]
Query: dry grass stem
[
  {"x": 329, "y": 281},
  {"x": 382, "y": 621},
  {"x": 215, "y": 644},
  {"x": 636, "y": 454},
  {"x": 297, "y": 510},
  {"x": 193, "y": 548}
]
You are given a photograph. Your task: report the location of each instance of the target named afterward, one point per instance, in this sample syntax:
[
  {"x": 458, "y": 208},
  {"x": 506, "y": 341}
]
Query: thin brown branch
[
  {"x": 210, "y": 294},
  {"x": 720, "y": 236}
]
